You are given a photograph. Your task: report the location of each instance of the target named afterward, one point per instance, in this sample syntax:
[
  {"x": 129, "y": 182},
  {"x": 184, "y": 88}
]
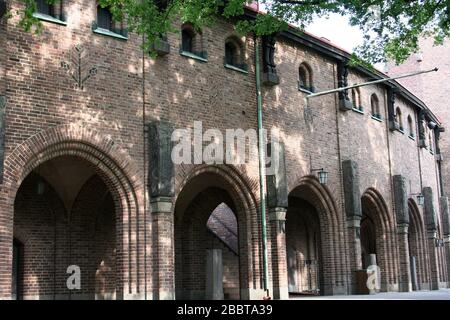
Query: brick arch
[
  {"x": 240, "y": 197},
  {"x": 111, "y": 163},
  {"x": 333, "y": 251},
  {"x": 417, "y": 229},
  {"x": 387, "y": 257}
]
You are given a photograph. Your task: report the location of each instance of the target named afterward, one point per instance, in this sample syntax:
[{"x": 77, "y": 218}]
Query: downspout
[{"x": 262, "y": 168}]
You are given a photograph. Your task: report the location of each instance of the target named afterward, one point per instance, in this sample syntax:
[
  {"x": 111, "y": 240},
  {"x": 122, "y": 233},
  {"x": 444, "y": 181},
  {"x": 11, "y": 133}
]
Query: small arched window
[
  {"x": 305, "y": 78},
  {"x": 356, "y": 99},
  {"x": 398, "y": 118},
  {"x": 191, "y": 41},
  {"x": 53, "y": 10},
  {"x": 234, "y": 53},
  {"x": 43, "y": 7},
  {"x": 104, "y": 18},
  {"x": 411, "y": 127},
  {"x": 375, "y": 105}
]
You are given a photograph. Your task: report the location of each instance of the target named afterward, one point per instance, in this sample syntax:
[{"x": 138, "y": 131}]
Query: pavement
[{"x": 442, "y": 294}]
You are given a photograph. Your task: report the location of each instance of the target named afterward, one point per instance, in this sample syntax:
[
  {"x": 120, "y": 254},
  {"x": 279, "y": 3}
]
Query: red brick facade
[{"x": 89, "y": 148}]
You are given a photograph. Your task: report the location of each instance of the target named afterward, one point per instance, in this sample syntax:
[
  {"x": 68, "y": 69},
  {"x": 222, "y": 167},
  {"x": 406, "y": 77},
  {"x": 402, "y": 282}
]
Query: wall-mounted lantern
[
  {"x": 439, "y": 243},
  {"x": 420, "y": 199},
  {"x": 321, "y": 173}
]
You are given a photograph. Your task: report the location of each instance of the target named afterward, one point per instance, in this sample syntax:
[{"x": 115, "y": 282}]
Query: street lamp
[
  {"x": 321, "y": 173},
  {"x": 420, "y": 199}
]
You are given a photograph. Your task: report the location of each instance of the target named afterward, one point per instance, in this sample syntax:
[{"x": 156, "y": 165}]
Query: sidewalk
[{"x": 442, "y": 294}]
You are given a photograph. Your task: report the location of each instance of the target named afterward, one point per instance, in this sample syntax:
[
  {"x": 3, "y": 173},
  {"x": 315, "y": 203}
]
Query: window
[
  {"x": 192, "y": 42},
  {"x": 43, "y": 7},
  {"x": 49, "y": 12},
  {"x": 356, "y": 99},
  {"x": 411, "y": 127},
  {"x": 104, "y": 18},
  {"x": 375, "y": 105},
  {"x": 106, "y": 25},
  {"x": 234, "y": 54},
  {"x": 305, "y": 79},
  {"x": 398, "y": 118},
  {"x": 187, "y": 40}
]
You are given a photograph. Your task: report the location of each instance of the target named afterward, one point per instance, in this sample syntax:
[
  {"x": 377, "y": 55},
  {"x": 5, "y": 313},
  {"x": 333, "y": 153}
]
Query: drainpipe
[{"x": 262, "y": 168}]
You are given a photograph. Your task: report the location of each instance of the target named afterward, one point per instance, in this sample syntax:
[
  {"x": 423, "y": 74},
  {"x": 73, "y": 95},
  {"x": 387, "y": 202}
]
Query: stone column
[
  {"x": 277, "y": 200},
  {"x": 161, "y": 182},
  {"x": 214, "y": 274},
  {"x": 277, "y": 220},
  {"x": 431, "y": 224},
  {"x": 446, "y": 232},
  {"x": 402, "y": 218},
  {"x": 352, "y": 198}
]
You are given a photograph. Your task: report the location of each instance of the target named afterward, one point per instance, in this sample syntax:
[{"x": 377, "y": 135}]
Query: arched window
[
  {"x": 105, "y": 22},
  {"x": 104, "y": 18},
  {"x": 305, "y": 77},
  {"x": 375, "y": 105},
  {"x": 53, "y": 10},
  {"x": 191, "y": 41},
  {"x": 356, "y": 99},
  {"x": 234, "y": 53},
  {"x": 410, "y": 127},
  {"x": 398, "y": 118},
  {"x": 43, "y": 7}
]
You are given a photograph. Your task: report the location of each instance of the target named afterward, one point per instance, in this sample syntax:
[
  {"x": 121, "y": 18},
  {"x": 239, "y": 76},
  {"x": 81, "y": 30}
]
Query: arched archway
[
  {"x": 110, "y": 163},
  {"x": 315, "y": 259},
  {"x": 65, "y": 216},
  {"x": 417, "y": 248},
  {"x": 209, "y": 263},
  {"x": 377, "y": 243}
]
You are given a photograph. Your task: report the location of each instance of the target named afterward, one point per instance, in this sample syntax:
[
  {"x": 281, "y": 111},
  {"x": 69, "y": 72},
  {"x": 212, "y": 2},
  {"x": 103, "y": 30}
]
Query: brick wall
[{"x": 46, "y": 116}]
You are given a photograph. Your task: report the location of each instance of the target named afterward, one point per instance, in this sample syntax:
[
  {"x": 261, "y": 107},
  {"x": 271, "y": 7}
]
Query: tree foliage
[{"x": 391, "y": 28}]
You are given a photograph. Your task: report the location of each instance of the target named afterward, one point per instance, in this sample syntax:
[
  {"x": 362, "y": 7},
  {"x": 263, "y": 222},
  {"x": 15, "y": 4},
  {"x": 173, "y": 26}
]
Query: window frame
[
  {"x": 118, "y": 33},
  {"x": 197, "y": 51},
  {"x": 53, "y": 17}
]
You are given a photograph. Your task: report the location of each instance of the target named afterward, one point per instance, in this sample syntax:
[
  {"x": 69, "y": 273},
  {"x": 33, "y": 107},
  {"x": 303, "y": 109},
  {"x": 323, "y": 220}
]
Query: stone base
[
  {"x": 345, "y": 105},
  {"x": 270, "y": 79}
]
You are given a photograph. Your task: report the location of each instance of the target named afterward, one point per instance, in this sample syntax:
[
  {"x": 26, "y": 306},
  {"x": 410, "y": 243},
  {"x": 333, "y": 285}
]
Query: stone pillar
[
  {"x": 352, "y": 198},
  {"x": 214, "y": 274},
  {"x": 402, "y": 218},
  {"x": 414, "y": 281},
  {"x": 431, "y": 224},
  {"x": 446, "y": 232},
  {"x": 277, "y": 200},
  {"x": 161, "y": 182},
  {"x": 277, "y": 220}
]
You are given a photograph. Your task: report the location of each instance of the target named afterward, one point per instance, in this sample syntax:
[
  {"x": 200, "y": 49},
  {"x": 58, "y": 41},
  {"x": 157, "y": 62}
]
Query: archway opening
[
  {"x": 376, "y": 243},
  {"x": 209, "y": 241},
  {"x": 303, "y": 248},
  {"x": 416, "y": 245},
  {"x": 65, "y": 220}
]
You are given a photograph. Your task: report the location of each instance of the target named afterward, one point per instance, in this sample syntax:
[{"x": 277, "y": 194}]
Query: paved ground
[{"x": 442, "y": 294}]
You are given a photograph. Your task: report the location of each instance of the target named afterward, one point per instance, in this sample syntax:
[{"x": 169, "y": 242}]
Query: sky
[{"x": 337, "y": 29}]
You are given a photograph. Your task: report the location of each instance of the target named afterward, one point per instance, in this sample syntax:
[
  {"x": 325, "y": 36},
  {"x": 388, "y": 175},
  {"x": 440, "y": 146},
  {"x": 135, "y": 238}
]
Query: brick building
[{"x": 86, "y": 120}]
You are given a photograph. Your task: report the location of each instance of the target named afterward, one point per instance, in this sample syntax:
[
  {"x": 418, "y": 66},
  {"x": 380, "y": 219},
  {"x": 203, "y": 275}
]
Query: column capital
[
  {"x": 161, "y": 205},
  {"x": 277, "y": 214},
  {"x": 403, "y": 228},
  {"x": 353, "y": 223}
]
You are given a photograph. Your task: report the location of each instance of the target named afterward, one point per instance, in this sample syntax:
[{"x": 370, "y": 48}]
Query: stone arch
[
  {"x": 204, "y": 187},
  {"x": 308, "y": 188},
  {"x": 111, "y": 163},
  {"x": 374, "y": 206}
]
